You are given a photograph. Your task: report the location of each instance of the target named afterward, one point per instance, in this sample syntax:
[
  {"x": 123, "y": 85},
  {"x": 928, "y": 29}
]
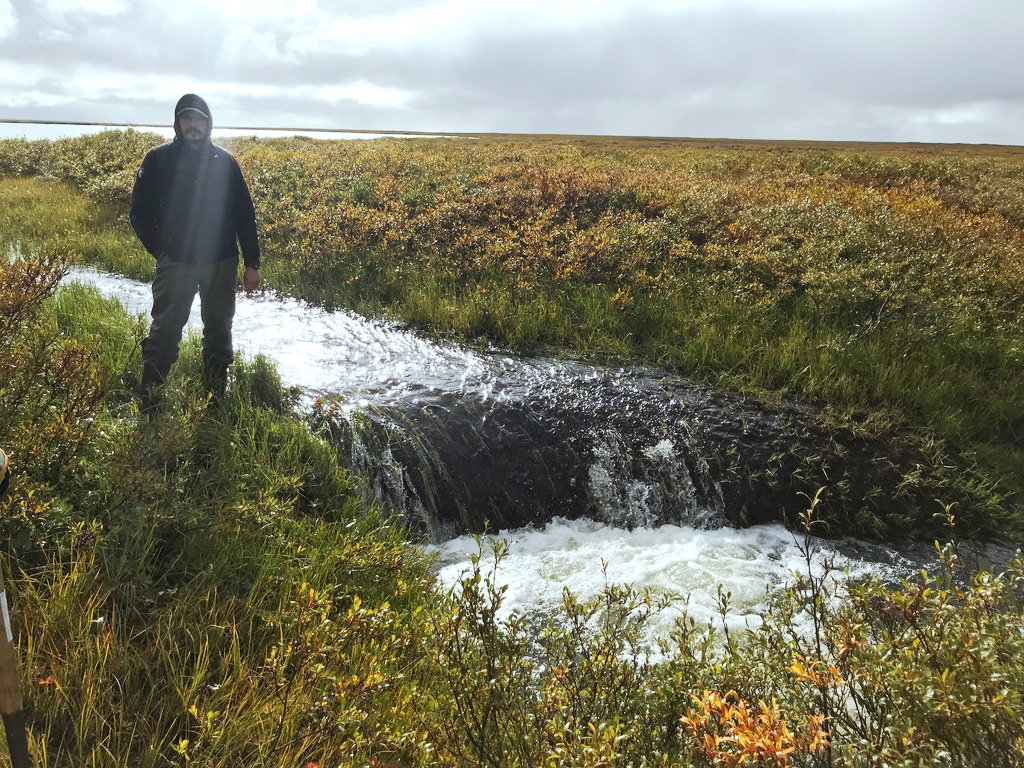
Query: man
[{"x": 191, "y": 208}]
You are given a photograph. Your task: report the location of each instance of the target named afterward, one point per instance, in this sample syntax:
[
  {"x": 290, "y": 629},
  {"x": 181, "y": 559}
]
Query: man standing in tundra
[{"x": 191, "y": 208}]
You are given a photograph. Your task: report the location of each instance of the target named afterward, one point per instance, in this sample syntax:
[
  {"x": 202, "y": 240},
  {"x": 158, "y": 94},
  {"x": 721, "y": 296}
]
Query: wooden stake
[{"x": 11, "y": 705}]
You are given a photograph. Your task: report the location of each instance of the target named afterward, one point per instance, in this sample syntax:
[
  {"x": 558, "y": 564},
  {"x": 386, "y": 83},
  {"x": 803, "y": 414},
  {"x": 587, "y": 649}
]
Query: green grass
[
  {"x": 877, "y": 286},
  {"x": 56, "y": 217},
  {"x": 209, "y": 588},
  {"x": 163, "y": 587}
]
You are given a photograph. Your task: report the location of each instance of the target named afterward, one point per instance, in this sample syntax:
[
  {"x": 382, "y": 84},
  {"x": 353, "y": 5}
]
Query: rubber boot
[
  {"x": 215, "y": 379},
  {"x": 150, "y": 393}
]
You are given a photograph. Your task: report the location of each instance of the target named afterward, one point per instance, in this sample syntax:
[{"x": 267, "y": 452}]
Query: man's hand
[{"x": 251, "y": 279}]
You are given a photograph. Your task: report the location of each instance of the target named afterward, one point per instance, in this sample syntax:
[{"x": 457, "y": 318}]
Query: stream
[{"x": 593, "y": 475}]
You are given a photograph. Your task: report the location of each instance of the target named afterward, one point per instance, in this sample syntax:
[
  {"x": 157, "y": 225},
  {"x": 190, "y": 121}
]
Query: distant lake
[{"x": 36, "y": 131}]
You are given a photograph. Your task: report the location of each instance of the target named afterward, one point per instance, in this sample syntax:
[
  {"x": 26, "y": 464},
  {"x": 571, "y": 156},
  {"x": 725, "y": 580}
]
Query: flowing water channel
[{"x": 594, "y": 475}]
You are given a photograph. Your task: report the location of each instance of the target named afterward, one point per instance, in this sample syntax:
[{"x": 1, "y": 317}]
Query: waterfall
[{"x": 594, "y": 474}]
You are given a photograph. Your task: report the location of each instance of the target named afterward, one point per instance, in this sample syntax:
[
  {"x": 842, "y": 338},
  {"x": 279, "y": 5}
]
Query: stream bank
[{"x": 458, "y": 440}]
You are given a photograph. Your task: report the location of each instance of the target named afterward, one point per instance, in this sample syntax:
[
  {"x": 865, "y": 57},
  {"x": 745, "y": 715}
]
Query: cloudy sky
[{"x": 889, "y": 70}]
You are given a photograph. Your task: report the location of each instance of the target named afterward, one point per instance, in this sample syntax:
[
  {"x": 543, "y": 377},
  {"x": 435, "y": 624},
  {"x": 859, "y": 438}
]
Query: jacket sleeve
[
  {"x": 245, "y": 221},
  {"x": 144, "y": 211}
]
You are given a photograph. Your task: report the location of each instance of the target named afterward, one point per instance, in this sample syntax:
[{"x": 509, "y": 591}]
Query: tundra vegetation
[{"x": 210, "y": 589}]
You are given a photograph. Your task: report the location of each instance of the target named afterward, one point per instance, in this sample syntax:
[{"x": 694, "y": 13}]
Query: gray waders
[{"x": 174, "y": 288}]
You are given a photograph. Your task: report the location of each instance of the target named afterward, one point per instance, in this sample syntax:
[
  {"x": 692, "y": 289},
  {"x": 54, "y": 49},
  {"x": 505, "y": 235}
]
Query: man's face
[{"x": 193, "y": 127}]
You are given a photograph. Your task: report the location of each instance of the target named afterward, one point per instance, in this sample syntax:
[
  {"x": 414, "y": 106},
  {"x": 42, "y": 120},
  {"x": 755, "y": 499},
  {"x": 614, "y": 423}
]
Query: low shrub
[{"x": 206, "y": 588}]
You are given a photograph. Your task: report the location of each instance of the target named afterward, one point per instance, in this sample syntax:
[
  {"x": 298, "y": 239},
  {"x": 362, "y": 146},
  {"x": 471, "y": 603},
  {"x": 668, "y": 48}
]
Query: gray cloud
[{"x": 861, "y": 69}]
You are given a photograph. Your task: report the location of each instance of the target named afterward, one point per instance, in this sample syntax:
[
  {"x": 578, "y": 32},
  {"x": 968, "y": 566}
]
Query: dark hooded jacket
[{"x": 193, "y": 205}]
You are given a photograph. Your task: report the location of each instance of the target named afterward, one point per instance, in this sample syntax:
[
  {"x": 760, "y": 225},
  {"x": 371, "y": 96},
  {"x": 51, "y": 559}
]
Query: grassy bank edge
[
  {"x": 731, "y": 352},
  {"x": 205, "y": 589}
]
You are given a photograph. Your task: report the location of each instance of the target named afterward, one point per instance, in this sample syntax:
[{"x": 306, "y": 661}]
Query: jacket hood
[{"x": 191, "y": 101}]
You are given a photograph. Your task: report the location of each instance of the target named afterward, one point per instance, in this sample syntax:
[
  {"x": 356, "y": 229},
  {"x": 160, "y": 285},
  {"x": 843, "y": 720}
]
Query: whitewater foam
[{"x": 680, "y": 562}]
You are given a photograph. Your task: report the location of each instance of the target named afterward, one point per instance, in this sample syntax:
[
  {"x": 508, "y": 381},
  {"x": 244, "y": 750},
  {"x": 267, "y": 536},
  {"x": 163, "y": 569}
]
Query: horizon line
[{"x": 471, "y": 134}]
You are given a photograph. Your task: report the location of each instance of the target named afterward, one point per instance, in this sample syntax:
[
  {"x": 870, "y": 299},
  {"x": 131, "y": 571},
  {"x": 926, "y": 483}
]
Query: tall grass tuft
[{"x": 162, "y": 571}]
